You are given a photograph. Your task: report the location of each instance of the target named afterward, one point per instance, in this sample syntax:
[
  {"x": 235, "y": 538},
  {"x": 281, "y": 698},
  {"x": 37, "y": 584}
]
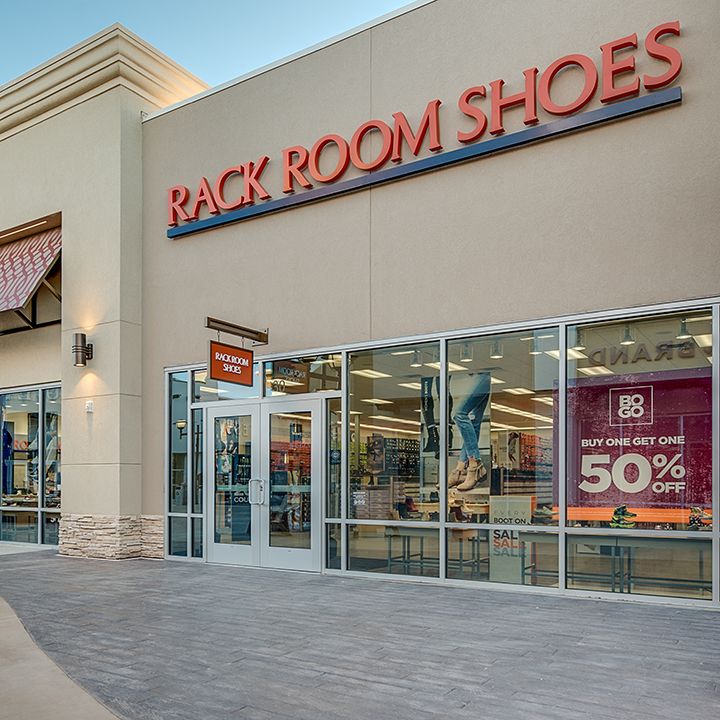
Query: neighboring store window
[
  {"x": 644, "y": 566},
  {"x": 503, "y": 555},
  {"x": 21, "y": 450},
  {"x": 52, "y": 464},
  {"x": 394, "y": 443},
  {"x": 179, "y": 429},
  {"x": 502, "y": 391},
  {"x": 334, "y": 459},
  {"x": 394, "y": 550},
  {"x": 303, "y": 375},
  {"x": 640, "y": 424},
  {"x": 206, "y": 390}
]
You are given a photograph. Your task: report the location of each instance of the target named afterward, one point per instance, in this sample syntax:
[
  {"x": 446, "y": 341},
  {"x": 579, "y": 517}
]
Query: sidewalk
[
  {"x": 32, "y": 685},
  {"x": 156, "y": 640}
]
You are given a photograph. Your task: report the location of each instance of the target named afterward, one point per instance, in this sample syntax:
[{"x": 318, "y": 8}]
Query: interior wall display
[
  {"x": 302, "y": 375},
  {"x": 640, "y": 426},
  {"x": 502, "y": 392}
]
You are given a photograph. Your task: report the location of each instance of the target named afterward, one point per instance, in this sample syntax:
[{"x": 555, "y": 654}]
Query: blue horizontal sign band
[{"x": 608, "y": 113}]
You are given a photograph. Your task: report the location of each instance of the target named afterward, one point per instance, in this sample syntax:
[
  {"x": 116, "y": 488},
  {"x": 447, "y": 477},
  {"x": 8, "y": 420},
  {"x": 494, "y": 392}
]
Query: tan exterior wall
[{"x": 621, "y": 215}]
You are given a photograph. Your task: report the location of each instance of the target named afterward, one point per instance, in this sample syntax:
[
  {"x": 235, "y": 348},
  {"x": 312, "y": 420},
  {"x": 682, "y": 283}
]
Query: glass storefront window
[
  {"x": 334, "y": 459},
  {"x": 197, "y": 461},
  {"x": 50, "y": 528},
  {"x": 506, "y": 556},
  {"x": 177, "y": 536},
  {"x": 53, "y": 436},
  {"x": 639, "y": 423},
  {"x": 395, "y": 550},
  {"x": 20, "y": 449},
  {"x": 197, "y": 537},
  {"x": 394, "y": 443},
  {"x": 179, "y": 428},
  {"x": 647, "y": 566},
  {"x": 19, "y": 527},
  {"x": 205, "y": 390},
  {"x": 319, "y": 373},
  {"x": 502, "y": 390},
  {"x": 333, "y": 546}
]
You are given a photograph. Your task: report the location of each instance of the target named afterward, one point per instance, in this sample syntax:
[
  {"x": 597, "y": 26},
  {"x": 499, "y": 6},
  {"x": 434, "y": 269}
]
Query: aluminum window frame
[{"x": 562, "y": 531}]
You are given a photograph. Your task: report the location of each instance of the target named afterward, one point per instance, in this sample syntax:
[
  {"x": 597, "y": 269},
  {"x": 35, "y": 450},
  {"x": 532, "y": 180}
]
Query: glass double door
[{"x": 264, "y": 467}]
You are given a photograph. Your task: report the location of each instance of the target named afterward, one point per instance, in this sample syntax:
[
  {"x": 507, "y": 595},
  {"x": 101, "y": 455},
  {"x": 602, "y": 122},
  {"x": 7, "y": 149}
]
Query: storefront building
[{"x": 478, "y": 253}]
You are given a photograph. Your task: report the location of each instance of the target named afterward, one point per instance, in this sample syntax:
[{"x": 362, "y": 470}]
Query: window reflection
[{"x": 53, "y": 435}]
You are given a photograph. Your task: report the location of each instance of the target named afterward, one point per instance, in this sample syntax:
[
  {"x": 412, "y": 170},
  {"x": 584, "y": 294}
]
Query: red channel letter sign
[
  {"x": 228, "y": 363},
  {"x": 241, "y": 184}
]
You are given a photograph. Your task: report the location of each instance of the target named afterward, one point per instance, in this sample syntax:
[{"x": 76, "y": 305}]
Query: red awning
[{"x": 24, "y": 265}]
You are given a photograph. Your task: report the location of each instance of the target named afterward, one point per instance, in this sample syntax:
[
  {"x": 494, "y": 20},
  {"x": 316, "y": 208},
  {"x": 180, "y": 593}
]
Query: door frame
[{"x": 259, "y": 553}]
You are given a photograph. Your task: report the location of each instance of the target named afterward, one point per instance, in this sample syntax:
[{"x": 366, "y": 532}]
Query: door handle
[{"x": 261, "y": 488}]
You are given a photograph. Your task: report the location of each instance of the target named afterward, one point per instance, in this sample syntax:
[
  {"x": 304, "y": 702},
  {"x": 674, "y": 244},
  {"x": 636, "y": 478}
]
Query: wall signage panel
[{"x": 228, "y": 363}]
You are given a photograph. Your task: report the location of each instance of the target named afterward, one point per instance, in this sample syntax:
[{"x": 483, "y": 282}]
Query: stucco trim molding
[{"x": 115, "y": 57}]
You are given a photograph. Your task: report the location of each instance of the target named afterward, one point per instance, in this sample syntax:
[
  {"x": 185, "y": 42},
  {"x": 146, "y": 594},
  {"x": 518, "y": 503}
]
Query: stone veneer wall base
[{"x": 111, "y": 537}]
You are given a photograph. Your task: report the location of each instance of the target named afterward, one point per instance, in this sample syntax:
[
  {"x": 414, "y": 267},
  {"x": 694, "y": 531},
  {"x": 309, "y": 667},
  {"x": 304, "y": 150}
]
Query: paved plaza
[{"x": 156, "y": 640}]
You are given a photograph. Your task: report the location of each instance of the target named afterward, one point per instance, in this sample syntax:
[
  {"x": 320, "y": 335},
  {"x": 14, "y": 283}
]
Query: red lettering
[
  {"x": 343, "y": 159},
  {"x": 219, "y": 189},
  {"x": 663, "y": 52},
  {"x": 473, "y": 112},
  {"x": 526, "y": 98},
  {"x": 293, "y": 170},
  {"x": 611, "y": 68},
  {"x": 387, "y": 138},
  {"x": 177, "y": 197},
  {"x": 252, "y": 172},
  {"x": 430, "y": 121},
  {"x": 204, "y": 197},
  {"x": 591, "y": 82}
]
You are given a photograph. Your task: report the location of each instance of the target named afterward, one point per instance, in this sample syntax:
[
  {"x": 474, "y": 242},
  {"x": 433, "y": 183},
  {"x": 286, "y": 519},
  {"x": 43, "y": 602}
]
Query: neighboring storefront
[{"x": 482, "y": 313}]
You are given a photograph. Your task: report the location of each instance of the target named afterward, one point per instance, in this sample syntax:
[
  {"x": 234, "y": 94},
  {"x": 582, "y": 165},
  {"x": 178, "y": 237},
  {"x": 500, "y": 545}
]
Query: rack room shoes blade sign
[{"x": 231, "y": 364}]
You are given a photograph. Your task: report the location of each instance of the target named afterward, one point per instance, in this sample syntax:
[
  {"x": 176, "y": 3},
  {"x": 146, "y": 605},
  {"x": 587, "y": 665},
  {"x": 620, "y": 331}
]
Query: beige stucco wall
[
  {"x": 78, "y": 163},
  {"x": 620, "y": 215}
]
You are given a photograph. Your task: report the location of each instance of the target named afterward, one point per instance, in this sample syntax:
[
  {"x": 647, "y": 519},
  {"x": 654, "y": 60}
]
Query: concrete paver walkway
[
  {"x": 174, "y": 641},
  {"x": 32, "y": 686}
]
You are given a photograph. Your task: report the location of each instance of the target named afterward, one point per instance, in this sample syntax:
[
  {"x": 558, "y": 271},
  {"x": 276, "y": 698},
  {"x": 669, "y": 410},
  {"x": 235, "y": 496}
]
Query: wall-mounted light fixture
[
  {"x": 628, "y": 338},
  {"x": 181, "y": 425},
  {"x": 82, "y": 350},
  {"x": 496, "y": 352},
  {"x": 466, "y": 356}
]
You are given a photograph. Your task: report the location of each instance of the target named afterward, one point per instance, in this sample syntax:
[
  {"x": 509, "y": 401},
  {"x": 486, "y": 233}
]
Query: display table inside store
[{"x": 621, "y": 574}]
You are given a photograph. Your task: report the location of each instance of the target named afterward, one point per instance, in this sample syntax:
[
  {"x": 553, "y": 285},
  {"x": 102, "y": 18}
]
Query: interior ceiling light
[
  {"x": 377, "y": 401},
  {"x": 683, "y": 333},
  {"x": 496, "y": 381},
  {"x": 466, "y": 355},
  {"x": 411, "y": 385},
  {"x": 596, "y": 370},
  {"x": 572, "y": 354},
  {"x": 522, "y": 413},
  {"x": 416, "y": 362},
  {"x": 519, "y": 391},
  {"x": 372, "y": 374},
  {"x": 545, "y": 400},
  {"x": 394, "y": 419},
  {"x": 628, "y": 338},
  {"x": 390, "y": 429},
  {"x": 403, "y": 352},
  {"x": 496, "y": 352},
  {"x": 452, "y": 367},
  {"x": 703, "y": 340}
]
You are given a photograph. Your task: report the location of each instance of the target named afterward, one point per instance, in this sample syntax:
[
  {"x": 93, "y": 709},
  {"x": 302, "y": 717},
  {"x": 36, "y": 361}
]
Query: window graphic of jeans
[{"x": 469, "y": 415}]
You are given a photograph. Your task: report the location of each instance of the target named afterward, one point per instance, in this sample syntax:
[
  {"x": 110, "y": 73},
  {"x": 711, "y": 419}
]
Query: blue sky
[{"x": 216, "y": 40}]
